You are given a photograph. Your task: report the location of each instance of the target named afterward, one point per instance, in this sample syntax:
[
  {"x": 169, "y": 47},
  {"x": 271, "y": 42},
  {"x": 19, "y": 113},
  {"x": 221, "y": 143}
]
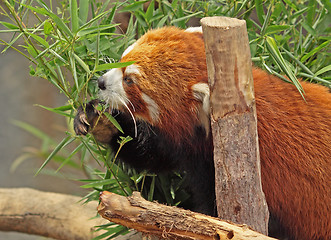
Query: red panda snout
[
  {"x": 119, "y": 88},
  {"x": 111, "y": 89}
]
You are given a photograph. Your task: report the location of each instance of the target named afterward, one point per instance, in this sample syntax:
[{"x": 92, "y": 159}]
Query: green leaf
[
  {"x": 45, "y": 11},
  {"x": 151, "y": 190},
  {"x": 48, "y": 28},
  {"x": 39, "y": 10},
  {"x": 186, "y": 17},
  {"x": 133, "y": 7},
  {"x": 113, "y": 121},
  {"x": 93, "y": 20},
  {"x": 39, "y": 39},
  {"x": 99, "y": 183},
  {"x": 73, "y": 69},
  {"x": 276, "y": 28},
  {"x": 266, "y": 20},
  {"x": 94, "y": 29},
  {"x": 82, "y": 63},
  {"x": 33, "y": 130},
  {"x": 59, "y": 111},
  {"x": 31, "y": 51},
  {"x": 74, "y": 15},
  {"x": 83, "y": 10},
  {"x": 149, "y": 11},
  {"x": 108, "y": 66},
  {"x": 60, "y": 146},
  {"x": 278, "y": 58},
  {"x": 315, "y": 50},
  {"x": 323, "y": 70},
  {"x": 9, "y": 25},
  {"x": 162, "y": 21}
]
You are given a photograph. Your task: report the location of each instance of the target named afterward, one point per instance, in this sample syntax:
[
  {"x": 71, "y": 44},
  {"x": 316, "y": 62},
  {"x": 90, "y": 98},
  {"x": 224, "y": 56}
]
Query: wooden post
[{"x": 234, "y": 124}]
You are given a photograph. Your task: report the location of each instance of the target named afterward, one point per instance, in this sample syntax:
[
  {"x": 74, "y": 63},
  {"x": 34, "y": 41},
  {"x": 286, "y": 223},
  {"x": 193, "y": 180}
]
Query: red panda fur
[
  {"x": 295, "y": 150},
  {"x": 174, "y": 61},
  {"x": 294, "y": 135}
]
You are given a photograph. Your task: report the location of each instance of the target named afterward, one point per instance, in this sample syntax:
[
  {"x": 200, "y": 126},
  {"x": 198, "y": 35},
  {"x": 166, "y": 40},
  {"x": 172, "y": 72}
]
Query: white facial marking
[
  {"x": 194, "y": 29},
  {"x": 132, "y": 69},
  {"x": 152, "y": 107},
  {"x": 201, "y": 92},
  {"x": 126, "y": 51},
  {"x": 114, "y": 93}
]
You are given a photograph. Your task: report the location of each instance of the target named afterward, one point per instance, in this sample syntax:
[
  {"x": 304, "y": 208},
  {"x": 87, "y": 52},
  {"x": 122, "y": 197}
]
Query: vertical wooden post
[{"x": 234, "y": 125}]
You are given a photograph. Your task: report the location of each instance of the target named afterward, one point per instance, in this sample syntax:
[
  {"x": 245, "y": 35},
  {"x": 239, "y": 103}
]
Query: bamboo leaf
[
  {"x": 39, "y": 39},
  {"x": 90, "y": 30},
  {"x": 74, "y": 15},
  {"x": 266, "y": 20},
  {"x": 9, "y": 25},
  {"x": 323, "y": 70},
  {"x": 162, "y": 21},
  {"x": 68, "y": 159},
  {"x": 108, "y": 66},
  {"x": 151, "y": 190},
  {"x": 133, "y": 7},
  {"x": 83, "y": 10},
  {"x": 48, "y": 28},
  {"x": 59, "y": 111},
  {"x": 149, "y": 11},
  {"x": 60, "y": 146},
  {"x": 113, "y": 121},
  {"x": 276, "y": 55},
  {"x": 315, "y": 50},
  {"x": 185, "y": 17},
  {"x": 73, "y": 69},
  {"x": 99, "y": 183},
  {"x": 276, "y": 28},
  {"x": 33, "y": 130},
  {"x": 82, "y": 63}
]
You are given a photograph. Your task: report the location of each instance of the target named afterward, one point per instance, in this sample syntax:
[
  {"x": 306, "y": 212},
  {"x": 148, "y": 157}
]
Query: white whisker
[{"x": 133, "y": 118}]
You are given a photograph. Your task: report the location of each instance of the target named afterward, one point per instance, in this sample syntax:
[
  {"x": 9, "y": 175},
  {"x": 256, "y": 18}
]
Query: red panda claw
[{"x": 83, "y": 119}]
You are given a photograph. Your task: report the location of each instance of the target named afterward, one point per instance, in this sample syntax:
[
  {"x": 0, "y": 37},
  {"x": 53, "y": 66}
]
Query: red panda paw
[{"x": 85, "y": 117}]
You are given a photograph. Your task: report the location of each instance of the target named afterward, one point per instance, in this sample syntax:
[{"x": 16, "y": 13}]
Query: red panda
[{"x": 162, "y": 101}]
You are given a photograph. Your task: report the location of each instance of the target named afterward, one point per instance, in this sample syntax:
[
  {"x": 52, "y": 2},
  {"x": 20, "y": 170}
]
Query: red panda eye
[{"x": 128, "y": 80}]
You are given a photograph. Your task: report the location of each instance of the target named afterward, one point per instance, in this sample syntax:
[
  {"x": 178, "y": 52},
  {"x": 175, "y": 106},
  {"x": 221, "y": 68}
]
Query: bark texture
[
  {"x": 234, "y": 124},
  {"x": 59, "y": 216},
  {"x": 169, "y": 222}
]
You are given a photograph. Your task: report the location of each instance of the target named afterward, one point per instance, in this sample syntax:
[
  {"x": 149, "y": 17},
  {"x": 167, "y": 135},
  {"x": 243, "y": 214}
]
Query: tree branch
[
  {"x": 169, "y": 222},
  {"x": 54, "y": 215}
]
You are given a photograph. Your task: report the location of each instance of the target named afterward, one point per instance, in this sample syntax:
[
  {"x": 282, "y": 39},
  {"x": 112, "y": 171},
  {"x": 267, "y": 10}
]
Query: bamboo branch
[{"x": 169, "y": 222}]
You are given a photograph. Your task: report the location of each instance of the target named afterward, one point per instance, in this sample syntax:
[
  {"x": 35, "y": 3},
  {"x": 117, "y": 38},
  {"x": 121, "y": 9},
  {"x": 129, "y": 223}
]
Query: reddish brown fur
[
  {"x": 295, "y": 148},
  {"x": 173, "y": 61},
  {"x": 294, "y": 135},
  {"x": 134, "y": 94}
]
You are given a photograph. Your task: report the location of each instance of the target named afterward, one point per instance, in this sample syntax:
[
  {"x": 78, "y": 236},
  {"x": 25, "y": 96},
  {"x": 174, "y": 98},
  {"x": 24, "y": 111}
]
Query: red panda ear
[
  {"x": 201, "y": 93},
  {"x": 195, "y": 30}
]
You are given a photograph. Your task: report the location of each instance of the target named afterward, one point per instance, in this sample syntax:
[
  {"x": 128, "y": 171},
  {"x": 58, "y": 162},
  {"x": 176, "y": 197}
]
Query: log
[
  {"x": 169, "y": 222},
  {"x": 239, "y": 194},
  {"x": 55, "y": 215}
]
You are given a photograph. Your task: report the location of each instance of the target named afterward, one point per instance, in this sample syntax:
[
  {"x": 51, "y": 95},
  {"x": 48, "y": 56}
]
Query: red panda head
[{"x": 167, "y": 84}]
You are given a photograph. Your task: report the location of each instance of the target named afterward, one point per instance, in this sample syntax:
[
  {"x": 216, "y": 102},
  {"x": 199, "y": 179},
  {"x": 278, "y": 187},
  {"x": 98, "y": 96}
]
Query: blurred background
[{"x": 19, "y": 92}]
